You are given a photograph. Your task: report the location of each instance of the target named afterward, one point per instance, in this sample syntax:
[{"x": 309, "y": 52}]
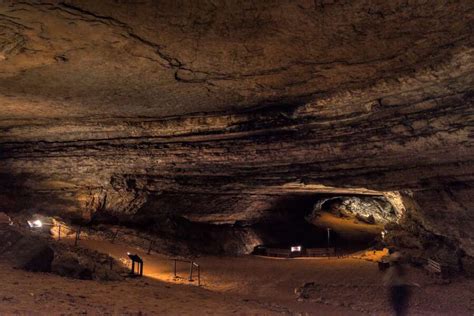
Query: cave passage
[{"x": 348, "y": 223}]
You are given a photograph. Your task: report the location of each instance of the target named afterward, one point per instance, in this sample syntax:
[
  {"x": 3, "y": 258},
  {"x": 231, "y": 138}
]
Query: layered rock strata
[{"x": 214, "y": 112}]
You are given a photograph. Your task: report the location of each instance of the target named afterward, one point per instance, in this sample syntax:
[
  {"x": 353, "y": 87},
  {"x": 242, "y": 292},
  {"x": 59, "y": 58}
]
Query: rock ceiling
[
  {"x": 161, "y": 58},
  {"x": 103, "y": 103}
]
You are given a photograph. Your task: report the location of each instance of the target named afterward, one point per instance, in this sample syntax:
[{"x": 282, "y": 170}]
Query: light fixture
[
  {"x": 295, "y": 248},
  {"x": 35, "y": 224}
]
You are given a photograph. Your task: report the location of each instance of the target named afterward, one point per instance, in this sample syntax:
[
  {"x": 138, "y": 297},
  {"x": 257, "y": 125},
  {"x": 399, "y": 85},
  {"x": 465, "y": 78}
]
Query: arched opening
[
  {"x": 347, "y": 222},
  {"x": 354, "y": 222}
]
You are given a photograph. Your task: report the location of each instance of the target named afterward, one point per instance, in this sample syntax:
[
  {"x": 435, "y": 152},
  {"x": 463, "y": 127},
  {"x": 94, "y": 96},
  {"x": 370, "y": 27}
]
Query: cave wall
[
  {"x": 447, "y": 211},
  {"x": 215, "y": 106},
  {"x": 373, "y": 209}
]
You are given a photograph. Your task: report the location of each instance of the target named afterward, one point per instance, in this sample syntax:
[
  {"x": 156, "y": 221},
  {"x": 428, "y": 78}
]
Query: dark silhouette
[{"x": 399, "y": 288}]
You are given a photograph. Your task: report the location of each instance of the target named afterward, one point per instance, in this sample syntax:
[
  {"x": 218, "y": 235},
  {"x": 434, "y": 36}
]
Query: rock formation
[{"x": 214, "y": 111}]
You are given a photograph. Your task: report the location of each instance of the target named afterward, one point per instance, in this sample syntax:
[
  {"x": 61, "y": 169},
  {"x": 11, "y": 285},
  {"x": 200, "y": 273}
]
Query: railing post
[
  {"x": 190, "y": 271},
  {"x": 199, "y": 275},
  {"x": 115, "y": 235},
  {"x": 78, "y": 234},
  {"x": 149, "y": 247}
]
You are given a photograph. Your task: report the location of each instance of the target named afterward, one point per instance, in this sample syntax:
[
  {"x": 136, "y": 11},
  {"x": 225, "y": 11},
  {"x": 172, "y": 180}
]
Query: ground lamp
[
  {"x": 35, "y": 223},
  {"x": 139, "y": 261}
]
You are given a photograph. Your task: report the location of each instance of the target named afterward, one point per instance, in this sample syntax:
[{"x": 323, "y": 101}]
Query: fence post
[
  {"x": 115, "y": 235},
  {"x": 191, "y": 271},
  {"x": 199, "y": 275},
  {"x": 78, "y": 234},
  {"x": 149, "y": 247}
]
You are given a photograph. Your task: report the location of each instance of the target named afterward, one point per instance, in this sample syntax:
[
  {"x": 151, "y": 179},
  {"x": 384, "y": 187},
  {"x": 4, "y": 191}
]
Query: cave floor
[{"x": 230, "y": 285}]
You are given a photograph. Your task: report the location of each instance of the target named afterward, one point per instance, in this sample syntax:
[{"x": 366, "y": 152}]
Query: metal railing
[
  {"x": 309, "y": 252},
  {"x": 192, "y": 264},
  {"x": 321, "y": 252}
]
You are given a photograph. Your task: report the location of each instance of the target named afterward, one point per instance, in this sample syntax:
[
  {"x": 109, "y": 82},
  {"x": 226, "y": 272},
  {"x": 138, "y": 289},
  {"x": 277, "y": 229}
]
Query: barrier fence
[
  {"x": 192, "y": 264},
  {"x": 309, "y": 252}
]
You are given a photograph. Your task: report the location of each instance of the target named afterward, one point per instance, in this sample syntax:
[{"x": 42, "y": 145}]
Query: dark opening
[{"x": 348, "y": 223}]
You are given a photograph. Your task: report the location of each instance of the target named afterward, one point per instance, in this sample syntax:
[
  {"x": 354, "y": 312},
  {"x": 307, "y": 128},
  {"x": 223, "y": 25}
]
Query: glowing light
[
  {"x": 383, "y": 234},
  {"x": 295, "y": 248},
  {"x": 35, "y": 224}
]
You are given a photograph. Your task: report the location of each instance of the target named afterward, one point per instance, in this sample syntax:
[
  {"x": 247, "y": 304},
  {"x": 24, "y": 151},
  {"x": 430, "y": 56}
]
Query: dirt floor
[
  {"x": 350, "y": 231},
  {"x": 245, "y": 285}
]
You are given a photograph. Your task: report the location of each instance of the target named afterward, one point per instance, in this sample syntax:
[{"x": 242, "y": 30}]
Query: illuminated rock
[{"x": 219, "y": 110}]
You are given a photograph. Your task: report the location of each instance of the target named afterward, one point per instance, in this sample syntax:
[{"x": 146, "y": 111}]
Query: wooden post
[
  {"x": 115, "y": 235},
  {"x": 149, "y": 247},
  {"x": 199, "y": 275},
  {"x": 191, "y": 271},
  {"x": 59, "y": 232},
  {"x": 78, "y": 234}
]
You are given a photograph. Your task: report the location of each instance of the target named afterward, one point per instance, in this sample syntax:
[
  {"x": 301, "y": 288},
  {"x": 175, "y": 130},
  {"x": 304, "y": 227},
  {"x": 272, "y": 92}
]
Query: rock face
[
  {"x": 215, "y": 111},
  {"x": 368, "y": 209}
]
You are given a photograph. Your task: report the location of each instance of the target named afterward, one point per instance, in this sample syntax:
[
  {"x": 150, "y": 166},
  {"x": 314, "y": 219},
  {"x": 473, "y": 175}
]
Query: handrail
[
  {"x": 310, "y": 252},
  {"x": 192, "y": 264}
]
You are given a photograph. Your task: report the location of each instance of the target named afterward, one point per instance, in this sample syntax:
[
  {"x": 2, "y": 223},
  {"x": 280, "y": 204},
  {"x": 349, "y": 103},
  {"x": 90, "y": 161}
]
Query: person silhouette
[{"x": 398, "y": 287}]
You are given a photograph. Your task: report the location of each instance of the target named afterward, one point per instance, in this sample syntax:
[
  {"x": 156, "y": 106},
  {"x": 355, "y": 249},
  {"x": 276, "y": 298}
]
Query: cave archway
[{"x": 348, "y": 222}]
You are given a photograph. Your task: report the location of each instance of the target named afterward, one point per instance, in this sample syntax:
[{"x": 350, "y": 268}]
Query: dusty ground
[
  {"x": 349, "y": 229},
  {"x": 245, "y": 285}
]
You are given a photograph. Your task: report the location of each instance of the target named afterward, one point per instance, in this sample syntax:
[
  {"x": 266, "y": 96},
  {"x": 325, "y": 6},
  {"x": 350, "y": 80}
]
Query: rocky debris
[
  {"x": 5, "y": 219},
  {"x": 34, "y": 251},
  {"x": 25, "y": 251},
  {"x": 365, "y": 219},
  {"x": 370, "y": 209},
  {"x": 67, "y": 264},
  {"x": 87, "y": 265},
  {"x": 304, "y": 292}
]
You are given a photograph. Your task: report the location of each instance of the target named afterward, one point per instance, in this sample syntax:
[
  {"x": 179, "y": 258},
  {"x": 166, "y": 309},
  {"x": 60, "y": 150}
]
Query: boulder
[
  {"x": 366, "y": 219},
  {"x": 84, "y": 264},
  {"x": 304, "y": 292},
  {"x": 25, "y": 251},
  {"x": 5, "y": 219},
  {"x": 68, "y": 265}
]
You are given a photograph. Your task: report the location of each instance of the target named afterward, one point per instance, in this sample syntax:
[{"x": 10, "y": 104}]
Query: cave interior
[{"x": 216, "y": 128}]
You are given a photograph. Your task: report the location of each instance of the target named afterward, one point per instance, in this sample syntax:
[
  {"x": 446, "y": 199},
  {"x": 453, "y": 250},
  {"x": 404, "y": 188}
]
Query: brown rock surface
[
  {"x": 25, "y": 251},
  {"x": 106, "y": 104}
]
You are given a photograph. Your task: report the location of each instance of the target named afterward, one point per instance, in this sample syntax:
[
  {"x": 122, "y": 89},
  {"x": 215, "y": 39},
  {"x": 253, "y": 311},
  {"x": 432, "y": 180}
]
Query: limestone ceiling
[
  {"x": 158, "y": 58},
  {"x": 346, "y": 94}
]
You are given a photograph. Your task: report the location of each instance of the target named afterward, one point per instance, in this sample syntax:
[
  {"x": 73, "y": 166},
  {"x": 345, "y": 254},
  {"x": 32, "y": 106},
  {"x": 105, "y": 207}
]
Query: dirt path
[{"x": 246, "y": 285}]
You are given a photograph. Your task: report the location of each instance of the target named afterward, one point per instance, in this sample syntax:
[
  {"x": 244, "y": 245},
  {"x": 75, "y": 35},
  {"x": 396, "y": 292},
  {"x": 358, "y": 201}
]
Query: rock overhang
[{"x": 129, "y": 100}]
